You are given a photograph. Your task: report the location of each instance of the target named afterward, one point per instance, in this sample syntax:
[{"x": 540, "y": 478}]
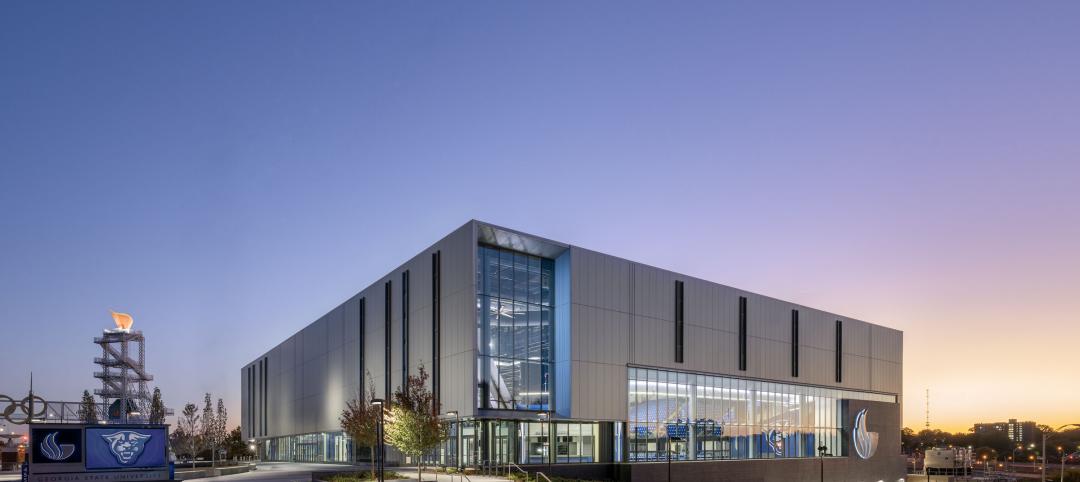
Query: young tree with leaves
[
  {"x": 157, "y": 407},
  {"x": 88, "y": 409},
  {"x": 414, "y": 426},
  {"x": 360, "y": 419},
  {"x": 189, "y": 425}
]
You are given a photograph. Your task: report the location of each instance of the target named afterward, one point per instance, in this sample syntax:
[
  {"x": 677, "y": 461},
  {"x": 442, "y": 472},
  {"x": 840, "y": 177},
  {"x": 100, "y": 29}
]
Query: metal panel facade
[
  {"x": 314, "y": 372},
  {"x": 617, "y": 313}
]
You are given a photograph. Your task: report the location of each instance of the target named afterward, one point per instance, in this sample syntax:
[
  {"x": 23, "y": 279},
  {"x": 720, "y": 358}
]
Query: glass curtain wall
[
  {"x": 700, "y": 417},
  {"x": 514, "y": 329}
]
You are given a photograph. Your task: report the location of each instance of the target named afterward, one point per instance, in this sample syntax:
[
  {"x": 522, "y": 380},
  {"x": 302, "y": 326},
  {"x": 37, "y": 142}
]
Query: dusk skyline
[{"x": 205, "y": 167}]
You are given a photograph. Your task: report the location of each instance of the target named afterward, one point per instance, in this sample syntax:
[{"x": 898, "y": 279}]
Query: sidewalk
[{"x": 429, "y": 476}]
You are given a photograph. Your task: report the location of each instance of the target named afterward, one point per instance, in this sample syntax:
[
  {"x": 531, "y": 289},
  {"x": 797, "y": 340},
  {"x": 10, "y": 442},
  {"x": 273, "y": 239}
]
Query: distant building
[{"x": 1019, "y": 432}]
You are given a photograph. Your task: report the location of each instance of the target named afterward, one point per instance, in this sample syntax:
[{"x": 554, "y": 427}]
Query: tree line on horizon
[{"x": 994, "y": 444}]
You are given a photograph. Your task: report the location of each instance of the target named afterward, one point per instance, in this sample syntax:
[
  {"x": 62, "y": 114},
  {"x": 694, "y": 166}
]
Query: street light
[
  {"x": 378, "y": 402},
  {"x": 457, "y": 429},
  {"x": 821, "y": 456},
  {"x": 546, "y": 417},
  {"x": 1061, "y": 455}
]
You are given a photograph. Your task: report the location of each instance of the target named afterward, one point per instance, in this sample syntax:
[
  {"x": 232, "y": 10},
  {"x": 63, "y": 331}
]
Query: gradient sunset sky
[{"x": 229, "y": 171}]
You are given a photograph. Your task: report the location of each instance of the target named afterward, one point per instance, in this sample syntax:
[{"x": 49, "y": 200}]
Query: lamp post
[
  {"x": 378, "y": 402},
  {"x": 457, "y": 437},
  {"x": 546, "y": 417},
  {"x": 1044, "y": 437},
  {"x": 1013, "y": 459},
  {"x": 1061, "y": 455},
  {"x": 821, "y": 456}
]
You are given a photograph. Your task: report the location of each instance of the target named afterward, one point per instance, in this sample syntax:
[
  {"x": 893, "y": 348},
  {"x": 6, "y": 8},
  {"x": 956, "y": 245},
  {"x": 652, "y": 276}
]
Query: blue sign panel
[{"x": 125, "y": 448}]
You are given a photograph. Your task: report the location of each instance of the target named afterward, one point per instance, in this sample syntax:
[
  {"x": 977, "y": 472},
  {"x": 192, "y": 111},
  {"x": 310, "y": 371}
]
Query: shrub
[{"x": 362, "y": 476}]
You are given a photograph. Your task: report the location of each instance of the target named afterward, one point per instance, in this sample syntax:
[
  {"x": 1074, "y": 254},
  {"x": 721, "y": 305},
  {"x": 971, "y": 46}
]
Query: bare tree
[
  {"x": 220, "y": 428},
  {"x": 189, "y": 425},
  {"x": 208, "y": 426}
]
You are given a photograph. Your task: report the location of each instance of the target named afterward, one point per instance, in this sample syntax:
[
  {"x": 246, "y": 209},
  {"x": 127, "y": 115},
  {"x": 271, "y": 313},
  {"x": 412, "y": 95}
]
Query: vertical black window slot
[
  {"x": 436, "y": 321},
  {"x": 742, "y": 333},
  {"x": 266, "y": 379},
  {"x": 679, "y": 327},
  {"x": 795, "y": 343},
  {"x": 360, "y": 342},
  {"x": 386, "y": 331},
  {"x": 404, "y": 327},
  {"x": 258, "y": 391},
  {"x": 839, "y": 351},
  {"x": 251, "y": 400}
]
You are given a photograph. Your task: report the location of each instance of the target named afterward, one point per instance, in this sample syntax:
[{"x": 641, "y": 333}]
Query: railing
[
  {"x": 460, "y": 475},
  {"x": 513, "y": 465},
  {"x": 541, "y": 474}
]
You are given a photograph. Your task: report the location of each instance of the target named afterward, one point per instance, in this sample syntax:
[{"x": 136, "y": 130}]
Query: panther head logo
[{"x": 126, "y": 445}]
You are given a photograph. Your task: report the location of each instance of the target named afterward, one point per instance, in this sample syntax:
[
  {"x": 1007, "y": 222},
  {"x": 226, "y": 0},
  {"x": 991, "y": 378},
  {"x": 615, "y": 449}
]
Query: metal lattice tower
[
  {"x": 928, "y": 409},
  {"x": 123, "y": 372}
]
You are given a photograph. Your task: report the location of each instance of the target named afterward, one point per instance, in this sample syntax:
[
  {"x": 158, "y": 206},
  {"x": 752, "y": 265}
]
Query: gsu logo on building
[
  {"x": 126, "y": 445},
  {"x": 866, "y": 443}
]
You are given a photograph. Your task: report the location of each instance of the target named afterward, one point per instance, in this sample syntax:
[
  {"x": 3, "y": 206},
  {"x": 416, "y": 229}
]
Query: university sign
[{"x": 75, "y": 453}]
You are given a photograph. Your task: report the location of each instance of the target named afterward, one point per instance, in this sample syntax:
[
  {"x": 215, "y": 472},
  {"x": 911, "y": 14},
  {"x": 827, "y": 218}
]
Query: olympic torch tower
[{"x": 123, "y": 372}]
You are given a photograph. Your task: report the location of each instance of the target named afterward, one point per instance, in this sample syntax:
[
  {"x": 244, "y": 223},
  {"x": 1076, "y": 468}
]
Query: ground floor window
[
  {"x": 686, "y": 416},
  {"x": 523, "y": 442},
  {"x": 329, "y": 447}
]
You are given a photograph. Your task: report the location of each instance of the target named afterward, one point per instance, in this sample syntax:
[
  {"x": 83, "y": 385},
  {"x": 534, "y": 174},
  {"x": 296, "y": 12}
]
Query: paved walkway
[{"x": 297, "y": 472}]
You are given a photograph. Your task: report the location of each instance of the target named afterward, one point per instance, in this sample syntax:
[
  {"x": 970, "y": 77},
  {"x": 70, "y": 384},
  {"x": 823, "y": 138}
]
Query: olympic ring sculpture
[{"x": 23, "y": 407}]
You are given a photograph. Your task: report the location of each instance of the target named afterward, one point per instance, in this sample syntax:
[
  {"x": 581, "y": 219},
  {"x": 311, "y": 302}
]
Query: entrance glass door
[{"x": 499, "y": 442}]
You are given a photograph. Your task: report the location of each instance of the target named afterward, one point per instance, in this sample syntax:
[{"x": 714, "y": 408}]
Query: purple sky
[{"x": 229, "y": 171}]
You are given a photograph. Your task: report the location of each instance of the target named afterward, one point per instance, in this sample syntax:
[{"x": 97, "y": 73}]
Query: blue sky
[{"x": 229, "y": 171}]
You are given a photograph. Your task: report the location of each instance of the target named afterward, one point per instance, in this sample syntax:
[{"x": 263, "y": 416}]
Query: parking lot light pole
[
  {"x": 1061, "y": 455},
  {"x": 378, "y": 402},
  {"x": 821, "y": 456},
  {"x": 546, "y": 417},
  {"x": 457, "y": 441}
]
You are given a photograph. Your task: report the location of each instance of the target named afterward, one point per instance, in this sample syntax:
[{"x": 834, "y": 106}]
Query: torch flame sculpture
[{"x": 123, "y": 321}]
